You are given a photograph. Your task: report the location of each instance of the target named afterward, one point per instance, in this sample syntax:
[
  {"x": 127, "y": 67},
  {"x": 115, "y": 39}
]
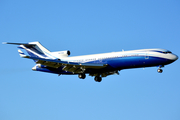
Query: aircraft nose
[{"x": 175, "y": 57}]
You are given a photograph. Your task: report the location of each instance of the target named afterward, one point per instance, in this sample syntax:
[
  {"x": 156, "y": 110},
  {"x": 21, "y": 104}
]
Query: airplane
[{"x": 97, "y": 65}]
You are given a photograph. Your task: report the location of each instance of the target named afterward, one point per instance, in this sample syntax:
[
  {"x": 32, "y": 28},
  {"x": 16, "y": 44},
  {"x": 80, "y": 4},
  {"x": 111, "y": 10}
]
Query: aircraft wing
[{"x": 68, "y": 66}]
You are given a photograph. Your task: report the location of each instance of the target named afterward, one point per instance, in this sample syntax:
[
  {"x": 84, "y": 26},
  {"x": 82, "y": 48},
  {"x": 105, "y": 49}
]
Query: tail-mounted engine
[{"x": 61, "y": 54}]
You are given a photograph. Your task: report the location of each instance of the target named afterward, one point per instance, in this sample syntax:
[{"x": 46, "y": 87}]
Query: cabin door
[{"x": 147, "y": 55}]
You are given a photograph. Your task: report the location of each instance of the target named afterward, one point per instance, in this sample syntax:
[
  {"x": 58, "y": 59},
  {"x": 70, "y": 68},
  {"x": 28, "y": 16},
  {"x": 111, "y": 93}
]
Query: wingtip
[{"x": 4, "y": 42}]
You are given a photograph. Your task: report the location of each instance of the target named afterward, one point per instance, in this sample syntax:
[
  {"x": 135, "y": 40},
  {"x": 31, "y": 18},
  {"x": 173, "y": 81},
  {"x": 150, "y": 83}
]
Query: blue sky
[{"x": 88, "y": 27}]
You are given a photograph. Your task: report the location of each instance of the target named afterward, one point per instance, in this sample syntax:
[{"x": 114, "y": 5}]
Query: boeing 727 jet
[{"x": 97, "y": 65}]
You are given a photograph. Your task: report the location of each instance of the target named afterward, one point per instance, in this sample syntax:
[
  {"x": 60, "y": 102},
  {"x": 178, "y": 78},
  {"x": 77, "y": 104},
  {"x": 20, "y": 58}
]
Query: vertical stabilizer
[{"x": 35, "y": 49}]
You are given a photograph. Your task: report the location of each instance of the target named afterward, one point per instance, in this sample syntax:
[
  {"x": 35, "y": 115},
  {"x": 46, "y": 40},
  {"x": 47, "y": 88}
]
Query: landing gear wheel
[
  {"x": 160, "y": 70},
  {"x": 98, "y": 79},
  {"x": 82, "y": 76}
]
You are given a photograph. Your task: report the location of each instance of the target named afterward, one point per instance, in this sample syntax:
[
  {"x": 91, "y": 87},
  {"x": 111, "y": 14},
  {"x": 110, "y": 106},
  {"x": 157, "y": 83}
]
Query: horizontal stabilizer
[
  {"x": 25, "y": 44},
  {"x": 22, "y": 54}
]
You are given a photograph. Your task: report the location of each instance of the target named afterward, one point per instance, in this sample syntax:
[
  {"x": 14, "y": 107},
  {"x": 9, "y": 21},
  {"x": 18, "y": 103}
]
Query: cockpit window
[{"x": 167, "y": 52}]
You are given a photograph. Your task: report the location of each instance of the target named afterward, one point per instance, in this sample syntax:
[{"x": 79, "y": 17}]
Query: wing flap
[{"x": 50, "y": 64}]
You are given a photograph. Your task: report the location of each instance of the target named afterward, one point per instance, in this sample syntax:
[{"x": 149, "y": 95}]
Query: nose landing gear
[{"x": 160, "y": 70}]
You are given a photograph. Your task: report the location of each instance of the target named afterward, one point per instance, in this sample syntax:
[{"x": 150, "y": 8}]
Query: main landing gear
[
  {"x": 82, "y": 76},
  {"x": 98, "y": 78}
]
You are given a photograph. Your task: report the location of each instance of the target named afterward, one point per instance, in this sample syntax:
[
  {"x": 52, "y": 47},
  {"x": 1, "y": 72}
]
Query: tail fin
[{"x": 34, "y": 49}]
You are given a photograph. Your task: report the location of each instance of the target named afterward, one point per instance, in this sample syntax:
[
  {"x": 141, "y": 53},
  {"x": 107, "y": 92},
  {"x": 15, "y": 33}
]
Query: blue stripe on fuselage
[{"x": 133, "y": 62}]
